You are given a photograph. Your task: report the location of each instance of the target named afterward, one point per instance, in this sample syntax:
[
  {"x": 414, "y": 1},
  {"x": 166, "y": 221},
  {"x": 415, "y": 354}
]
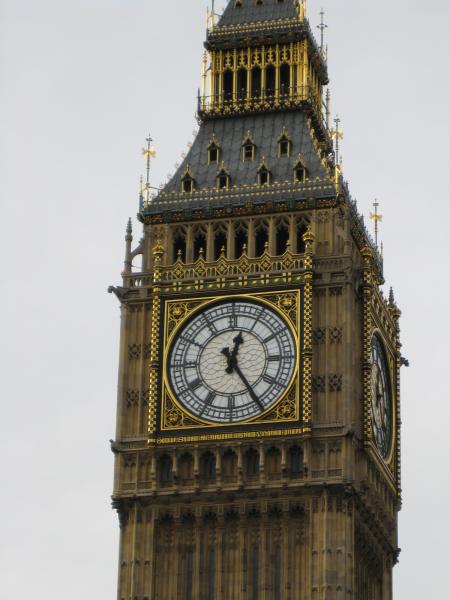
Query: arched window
[
  {"x": 186, "y": 468},
  {"x": 240, "y": 239},
  {"x": 284, "y": 144},
  {"x": 199, "y": 237},
  {"x": 187, "y": 184},
  {"x": 165, "y": 469},
  {"x": 223, "y": 180},
  {"x": 261, "y": 238},
  {"x": 285, "y": 79},
  {"x": 208, "y": 466},
  {"x": 282, "y": 236},
  {"x": 300, "y": 172},
  {"x": 264, "y": 175},
  {"x": 273, "y": 463},
  {"x": 270, "y": 81},
  {"x": 229, "y": 465},
  {"x": 256, "y": 82},
  {"x": 220, "y": 241},
  {"x": 251, "y": 463},
  {"x": 248, "y": 147},
  {"x": 242, "y": 83},
  {"x": 295, "y": 457},
  {"x": 179, "y": 245},
  {"x": 228, "y": 85},
  {"x": 213, "y": 153}
]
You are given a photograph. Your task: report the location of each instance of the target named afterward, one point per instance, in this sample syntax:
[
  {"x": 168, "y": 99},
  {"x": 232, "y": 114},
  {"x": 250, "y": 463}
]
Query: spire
[
  {"x": 376, "y": 217},
  {"x": 128, "y": 241},
  {"x": 337, "y": 134},
  {"x": 129, "y": 230},
  {"x": 149, "y": 152},
  {"x": 391, "y": 297},
  {"x": 322, "y": 28}
]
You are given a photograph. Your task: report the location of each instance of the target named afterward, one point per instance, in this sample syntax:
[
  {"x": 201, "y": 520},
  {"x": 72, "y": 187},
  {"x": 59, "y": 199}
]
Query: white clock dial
[{"x": 232, "y": 361}]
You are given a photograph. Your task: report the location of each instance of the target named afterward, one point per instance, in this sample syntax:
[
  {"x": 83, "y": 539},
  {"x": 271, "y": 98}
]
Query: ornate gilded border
[
  {"x": 174, "y": 416},
  {"x": 371, "y": 327},
  {"x": 294, "y": 407}
]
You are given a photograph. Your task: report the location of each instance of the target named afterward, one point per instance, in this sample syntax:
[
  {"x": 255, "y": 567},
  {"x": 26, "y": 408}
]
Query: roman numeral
[{"x": 195, "y": 384}]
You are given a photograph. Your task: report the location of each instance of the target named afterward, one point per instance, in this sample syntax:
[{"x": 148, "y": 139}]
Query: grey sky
[{"x": 81, "y": 83}]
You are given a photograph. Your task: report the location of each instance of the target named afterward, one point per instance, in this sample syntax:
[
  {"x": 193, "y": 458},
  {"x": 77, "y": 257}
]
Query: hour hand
[{"x": 230, "y": 360}]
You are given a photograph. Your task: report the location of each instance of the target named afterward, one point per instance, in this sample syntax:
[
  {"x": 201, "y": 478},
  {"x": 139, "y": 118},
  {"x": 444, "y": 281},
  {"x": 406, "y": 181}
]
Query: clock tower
[{"x": 257, "y": 451}]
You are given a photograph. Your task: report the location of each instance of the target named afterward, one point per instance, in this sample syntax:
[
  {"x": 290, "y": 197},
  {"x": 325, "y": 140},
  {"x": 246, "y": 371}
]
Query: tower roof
[{"x": 248, "y": 11}]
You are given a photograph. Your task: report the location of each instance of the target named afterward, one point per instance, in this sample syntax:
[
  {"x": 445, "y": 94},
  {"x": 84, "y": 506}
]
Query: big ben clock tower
[{"x": 257, "y": 452}]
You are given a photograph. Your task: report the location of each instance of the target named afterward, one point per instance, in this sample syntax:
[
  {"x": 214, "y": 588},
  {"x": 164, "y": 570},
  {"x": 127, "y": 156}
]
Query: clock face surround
[
  {"x": 232, "y": 361},
  {"x": 381, "y": 399}
]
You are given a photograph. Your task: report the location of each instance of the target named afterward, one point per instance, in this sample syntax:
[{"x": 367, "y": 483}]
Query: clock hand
[
  {"x": 232, "y": 356},
  {"x": 244, "y": 379}
]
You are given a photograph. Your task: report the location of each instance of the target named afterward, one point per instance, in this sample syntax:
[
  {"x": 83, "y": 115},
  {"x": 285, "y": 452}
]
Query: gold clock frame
[
  {"x": 175, "y": 419},
  {"x": 379, "y": 320},
  {"x": 390, "y": 366}
]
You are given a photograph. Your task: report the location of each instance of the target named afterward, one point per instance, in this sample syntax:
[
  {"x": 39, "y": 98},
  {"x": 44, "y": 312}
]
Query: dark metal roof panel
[
  {"x": 251, "y": 12},
  {"x": 265, "y": 131}
]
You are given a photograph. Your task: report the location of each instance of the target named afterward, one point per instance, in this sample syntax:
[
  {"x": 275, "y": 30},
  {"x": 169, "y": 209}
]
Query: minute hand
[{"x": 253, "y": 396}]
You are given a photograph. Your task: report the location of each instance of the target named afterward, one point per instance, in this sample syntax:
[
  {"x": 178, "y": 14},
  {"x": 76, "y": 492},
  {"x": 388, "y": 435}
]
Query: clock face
[
  {"x": 381, "y": 399},
  {"x": 232, "y": 361}
]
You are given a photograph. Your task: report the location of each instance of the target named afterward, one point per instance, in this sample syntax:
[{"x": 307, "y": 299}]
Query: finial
[
  {"x": 322, "y": 28},
  {"x": 337, "y": 134},
  {"x": 158, "y": 250},
  {"x": 129, "y": 228},
  {"x": 222, "y": 251},
  {"x": 201, "y": 253},
  {"x": 302, "y": 9},
  {"x": 149, "y": 153},
  {"x": 266, "y": 246},
  {"x": 244, "y": 249},
  {"x": 327, "y": 108},
  {"x": 391, "y": 297},
  {"x": 376, "y": 217},
  {"x": 308, "y": 236}
]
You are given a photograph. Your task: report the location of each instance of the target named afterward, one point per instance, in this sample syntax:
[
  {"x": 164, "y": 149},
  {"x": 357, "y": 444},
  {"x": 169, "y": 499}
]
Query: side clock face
[
  {"x": 232, "y": 361},
  {"x": 381, "y": 399}
]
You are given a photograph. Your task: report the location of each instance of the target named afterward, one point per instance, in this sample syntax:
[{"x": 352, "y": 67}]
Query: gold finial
[
  {"x": 302, "y": 9},
  {"x": 149, "y": 152},
  {"x": 222, "y": 251},
  {"x": 158, "y": 250},
  {"x": 376, "y": 217},
  {"x": 244, "y": 249},
  {"x": 309, "y": 237}
]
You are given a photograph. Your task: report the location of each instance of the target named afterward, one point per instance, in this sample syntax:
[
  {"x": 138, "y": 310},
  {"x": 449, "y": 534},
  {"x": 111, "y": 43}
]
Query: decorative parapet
[{"x": 223, "y": 271}]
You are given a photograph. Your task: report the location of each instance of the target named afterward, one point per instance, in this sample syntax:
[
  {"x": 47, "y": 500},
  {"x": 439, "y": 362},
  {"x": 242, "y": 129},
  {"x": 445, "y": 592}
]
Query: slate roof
[
  {"x": 265, "y": 129},
  {"x": 251, "y": 12}
]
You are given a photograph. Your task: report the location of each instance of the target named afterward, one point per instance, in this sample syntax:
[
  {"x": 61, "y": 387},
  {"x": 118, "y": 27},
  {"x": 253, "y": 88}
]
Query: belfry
[{"x": 257, "y": 451}]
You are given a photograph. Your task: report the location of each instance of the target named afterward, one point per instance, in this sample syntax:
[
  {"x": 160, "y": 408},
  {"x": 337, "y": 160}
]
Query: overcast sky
[{"x": 81, "y": 84}]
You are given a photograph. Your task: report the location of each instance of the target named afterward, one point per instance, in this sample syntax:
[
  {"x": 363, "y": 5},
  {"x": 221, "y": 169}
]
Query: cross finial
[
  {"x": 149, "y": 153},
  {"x": 376, "y": 217},
  {"x": 322, "y": 28},
  {"x": 337, "y": 134}
]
